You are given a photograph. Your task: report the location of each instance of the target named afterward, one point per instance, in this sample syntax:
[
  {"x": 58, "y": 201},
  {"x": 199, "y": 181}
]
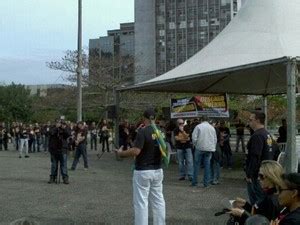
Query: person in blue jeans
[
  {"x": 216, "y": 158},
  {"x": 184, "y": 151},
  {"x": 205, "y": 139}
]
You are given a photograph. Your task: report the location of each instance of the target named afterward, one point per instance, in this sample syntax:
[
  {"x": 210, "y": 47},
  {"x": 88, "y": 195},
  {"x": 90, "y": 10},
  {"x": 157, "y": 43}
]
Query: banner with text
[{"x": 197, "y": 106}]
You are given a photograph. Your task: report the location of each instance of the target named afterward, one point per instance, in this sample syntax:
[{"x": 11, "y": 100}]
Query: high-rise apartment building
[
  {"x": 116, "y": 49},
  {"x": 168, "y": 32}
]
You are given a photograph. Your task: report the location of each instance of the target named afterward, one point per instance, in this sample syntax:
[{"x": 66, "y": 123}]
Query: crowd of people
[
  {"x": 272, "y": 194},
  {"x": 274, "y": 197},
  {"x": 59, "y": 139}
]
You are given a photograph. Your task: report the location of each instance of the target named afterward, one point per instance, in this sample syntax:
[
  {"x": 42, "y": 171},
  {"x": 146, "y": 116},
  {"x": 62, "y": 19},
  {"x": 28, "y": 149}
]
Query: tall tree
[
  {"x": 15, "y": 103},
  {"x": 101, "y": 74}
]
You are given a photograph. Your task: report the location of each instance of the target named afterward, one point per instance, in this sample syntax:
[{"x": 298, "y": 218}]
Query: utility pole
[{"x": 79, "y": 63}]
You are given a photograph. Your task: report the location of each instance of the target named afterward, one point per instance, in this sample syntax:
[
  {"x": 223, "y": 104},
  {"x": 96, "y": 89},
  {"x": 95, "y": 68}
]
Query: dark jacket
[
  {"x": 259, "y": 147},
  {"x": 58, "y": 140},
  {"x": 292, "y": 218}
]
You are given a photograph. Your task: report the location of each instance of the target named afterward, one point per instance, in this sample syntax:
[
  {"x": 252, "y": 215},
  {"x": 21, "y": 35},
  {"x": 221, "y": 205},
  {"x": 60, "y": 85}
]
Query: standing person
[
  {"x": 282, "y": 132},
  {"x": 124, "y": 135},
  {"x": 3, "y": 137},
  {"x": 46, "y": 134},
  {"x": 225, "y": 145},
  {"x": 205, "y": 141},
  {"x": 58, "y": 146},
  {"x": 80, "y": 143},
  {"x": 240, "y": 128},
  {"x": 93, "y": 134},
  {"x": 23, "y": 141},
  {"x": 184, "y": 151},
  {"x": 259, "y": 149},
  {"x": 105, "y": 136},
  {"x": 17, "y": 136},
  {"x": 216, "y": 158},
  {"x": 32, "y": 139},
  {"x": 148, "y": 174},
  {"x": 37, "y": 132}
]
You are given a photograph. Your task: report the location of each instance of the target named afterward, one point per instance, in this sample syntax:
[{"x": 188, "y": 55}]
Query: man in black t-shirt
[
  {"x": 259, "y": 149},
  {"x": 148, "y": 174}
]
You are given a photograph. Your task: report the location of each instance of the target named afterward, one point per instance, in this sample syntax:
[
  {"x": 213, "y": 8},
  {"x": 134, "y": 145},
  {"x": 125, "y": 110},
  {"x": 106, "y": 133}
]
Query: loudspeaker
[
  {"x": 166, "y": 113},
  {"x": 111, "y": 111}
]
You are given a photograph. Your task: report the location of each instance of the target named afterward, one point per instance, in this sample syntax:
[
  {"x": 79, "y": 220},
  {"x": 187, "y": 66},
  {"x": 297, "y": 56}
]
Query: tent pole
[
  {"x": 291, "y": 159},
  {"x": 117, "y": 116},
  {"x": 265, "y": 108}
]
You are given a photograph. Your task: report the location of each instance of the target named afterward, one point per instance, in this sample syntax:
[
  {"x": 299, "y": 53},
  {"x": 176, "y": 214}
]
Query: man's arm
[
  {"x": 195, "y": 135},
  {"x": 215, "y": 137},
  {"x": 131, "y": 152},
  {"x": 254, "y": 156}
]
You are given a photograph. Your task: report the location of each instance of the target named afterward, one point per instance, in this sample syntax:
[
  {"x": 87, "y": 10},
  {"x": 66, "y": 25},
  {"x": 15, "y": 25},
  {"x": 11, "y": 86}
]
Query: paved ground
[{"x": 103, "y": 194}]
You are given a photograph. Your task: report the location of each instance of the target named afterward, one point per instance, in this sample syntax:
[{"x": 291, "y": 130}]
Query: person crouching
[{"x": 58, "y": 146}]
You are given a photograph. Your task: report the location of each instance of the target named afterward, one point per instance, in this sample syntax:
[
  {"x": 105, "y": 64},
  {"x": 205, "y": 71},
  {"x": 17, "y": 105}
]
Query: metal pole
[
  {"x": 117, "y": 114},
  {"x": 291, "y": 157},
  {"x": 265, "y": 107},
  {"x": 79, "y": 63}
]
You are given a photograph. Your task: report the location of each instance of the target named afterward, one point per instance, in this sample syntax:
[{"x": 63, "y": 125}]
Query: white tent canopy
[
  {"x": 248, "y": 57},
  {"x": 257, "y": 53}
]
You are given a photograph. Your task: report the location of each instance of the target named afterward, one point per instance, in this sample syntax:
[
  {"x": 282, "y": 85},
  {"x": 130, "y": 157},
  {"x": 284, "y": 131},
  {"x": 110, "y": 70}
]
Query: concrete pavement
[{"x": 103, "y": 194}]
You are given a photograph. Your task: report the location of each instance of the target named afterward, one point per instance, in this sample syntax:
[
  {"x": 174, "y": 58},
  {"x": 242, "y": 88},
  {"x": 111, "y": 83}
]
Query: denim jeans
[
  {"x": 215, "y": 169},
  {"x": 60, "y": 159},
  {"x": 38, "y": 143},
  {"x": 147, "y": 186},
  {"x": 46, "y": 143},
  {"x": 255, "y": 192},
  {"x": 94, "y": 142},
  {"x": 80, "y": 150},
  {"x": 23, "y": 143},
  {"x": 227, "y": 159},
  {"x": 17, "y": 143},
  {"x": 239, "y": 138},
  {"x": 31, "y": 144},
  {"x": 185, "y": 160},
  {"x": 105, "y": 143},
  {"x": 199, "y": 156}
]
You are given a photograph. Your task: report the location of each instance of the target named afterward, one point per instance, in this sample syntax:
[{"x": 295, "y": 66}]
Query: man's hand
[
  {"x": 249, "y": 180},
  {"x": 236, "y": 212},
  {"x": 274, "y": 222},
  {"x": 118, "y": 151},
  {"x": 239, "y": 203}
]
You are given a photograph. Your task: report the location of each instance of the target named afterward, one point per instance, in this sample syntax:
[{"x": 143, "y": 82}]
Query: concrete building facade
[
  {"x": 117, "y": 48},
  {"x": 168, "y": 32}
]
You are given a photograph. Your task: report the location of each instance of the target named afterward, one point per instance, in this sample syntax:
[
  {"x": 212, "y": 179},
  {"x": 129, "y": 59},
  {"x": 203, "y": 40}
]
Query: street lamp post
[{"x": 79, "y": 63}]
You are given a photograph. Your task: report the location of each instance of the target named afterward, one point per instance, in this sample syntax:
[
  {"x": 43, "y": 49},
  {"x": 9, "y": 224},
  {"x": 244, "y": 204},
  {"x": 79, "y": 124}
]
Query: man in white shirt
[{"x": 205, "y": 139}]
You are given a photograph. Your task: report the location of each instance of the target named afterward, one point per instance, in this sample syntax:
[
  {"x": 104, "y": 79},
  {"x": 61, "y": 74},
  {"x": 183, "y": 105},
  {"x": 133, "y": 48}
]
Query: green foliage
[{"x": 15, "y": 103}]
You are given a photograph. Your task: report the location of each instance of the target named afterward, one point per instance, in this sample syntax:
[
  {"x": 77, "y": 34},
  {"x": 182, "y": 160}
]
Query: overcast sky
[{"x": 33, "y": 32}]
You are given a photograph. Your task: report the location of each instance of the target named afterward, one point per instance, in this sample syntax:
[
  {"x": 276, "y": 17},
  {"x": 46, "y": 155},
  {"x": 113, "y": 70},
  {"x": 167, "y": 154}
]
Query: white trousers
[{"x": 147, "y": 186}]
